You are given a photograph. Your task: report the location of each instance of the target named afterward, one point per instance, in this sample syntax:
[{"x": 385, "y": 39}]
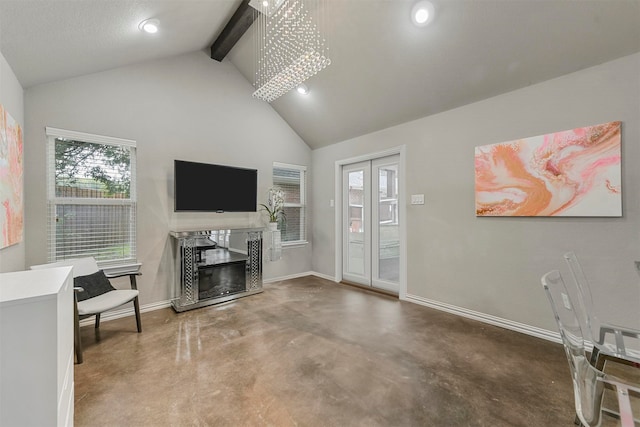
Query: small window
[
  {"x": 292, "y": 180},
  {"x": 91, "y": 197}
]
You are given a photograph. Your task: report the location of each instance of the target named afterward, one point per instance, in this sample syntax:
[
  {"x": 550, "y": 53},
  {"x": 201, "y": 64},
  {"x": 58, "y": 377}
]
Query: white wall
[
  {"x": 493, "y": 265},
  {"x": 12, "y": 258},
  {"x": 188, "y": 107}
]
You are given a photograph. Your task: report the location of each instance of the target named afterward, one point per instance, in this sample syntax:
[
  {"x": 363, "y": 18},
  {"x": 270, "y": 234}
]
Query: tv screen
[{"x": 214, "y": 188}]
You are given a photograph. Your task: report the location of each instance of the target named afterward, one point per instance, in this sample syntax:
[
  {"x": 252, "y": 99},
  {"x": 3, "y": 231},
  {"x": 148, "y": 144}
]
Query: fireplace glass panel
[{"x": 224, "y": 279}]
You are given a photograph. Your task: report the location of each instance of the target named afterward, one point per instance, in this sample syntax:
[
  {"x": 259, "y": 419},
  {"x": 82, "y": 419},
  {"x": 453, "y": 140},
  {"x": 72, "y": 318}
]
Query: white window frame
[
  {"x": 303, "y": 200},
  {"x": 53, "y": 200}
]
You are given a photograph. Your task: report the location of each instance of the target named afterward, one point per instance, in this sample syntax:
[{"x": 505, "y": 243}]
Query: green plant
[{"x": 275, "y": 205}]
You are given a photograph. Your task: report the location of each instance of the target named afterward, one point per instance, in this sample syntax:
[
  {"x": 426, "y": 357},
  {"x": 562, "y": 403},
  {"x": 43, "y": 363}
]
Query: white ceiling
[
  {"x": 48, "y": 40},
  {"x": 384, "y": 70}
]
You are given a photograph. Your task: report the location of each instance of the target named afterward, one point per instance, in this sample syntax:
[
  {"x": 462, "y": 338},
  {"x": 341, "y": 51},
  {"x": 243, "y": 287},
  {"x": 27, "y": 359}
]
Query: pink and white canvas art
[
  {"x": 570, "y": 173},
  {"x": 11, "y": 180}
]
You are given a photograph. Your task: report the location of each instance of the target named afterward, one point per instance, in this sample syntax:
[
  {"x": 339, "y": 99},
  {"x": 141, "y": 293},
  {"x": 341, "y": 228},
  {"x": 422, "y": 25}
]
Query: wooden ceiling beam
[{"x": 235, "y": 28}]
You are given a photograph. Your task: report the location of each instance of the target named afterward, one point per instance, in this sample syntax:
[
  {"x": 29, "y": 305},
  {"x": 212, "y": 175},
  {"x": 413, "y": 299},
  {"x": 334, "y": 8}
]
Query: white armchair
[{"x": 94, "y": 294}]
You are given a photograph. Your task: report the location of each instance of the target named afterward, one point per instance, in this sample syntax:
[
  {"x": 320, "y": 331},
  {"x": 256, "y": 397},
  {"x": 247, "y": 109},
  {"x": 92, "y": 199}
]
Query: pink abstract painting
[
  {"x": 571, "y": 173},
  {"x": 11, "y": 180}
]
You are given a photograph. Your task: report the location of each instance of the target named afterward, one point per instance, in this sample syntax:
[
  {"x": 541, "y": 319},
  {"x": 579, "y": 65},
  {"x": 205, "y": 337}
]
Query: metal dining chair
[
  {"x": 588, "y": 381},
  {"x": 608, "y": 339}
]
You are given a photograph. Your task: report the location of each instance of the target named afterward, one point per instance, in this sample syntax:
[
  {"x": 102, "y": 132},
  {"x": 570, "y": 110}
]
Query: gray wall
[
  {"x": 494, "y": 265},
  {"x": 188, "y": 107},
  {"x": 12, "y": 258}
]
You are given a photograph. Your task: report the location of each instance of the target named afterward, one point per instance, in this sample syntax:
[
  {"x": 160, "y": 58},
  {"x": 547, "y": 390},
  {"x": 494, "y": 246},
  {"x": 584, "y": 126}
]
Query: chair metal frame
[
  {"x": 588, "y": 381},
  {"x": 601, "y": 348}
]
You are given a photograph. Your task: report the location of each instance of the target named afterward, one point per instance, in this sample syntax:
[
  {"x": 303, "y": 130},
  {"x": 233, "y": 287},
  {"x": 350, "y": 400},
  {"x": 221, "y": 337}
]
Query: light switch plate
[{"x": 417, "y": 199}]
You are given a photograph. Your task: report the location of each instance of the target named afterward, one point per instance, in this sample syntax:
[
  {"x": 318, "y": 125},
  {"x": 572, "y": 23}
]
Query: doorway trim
[{"x": 402, "y": 293}]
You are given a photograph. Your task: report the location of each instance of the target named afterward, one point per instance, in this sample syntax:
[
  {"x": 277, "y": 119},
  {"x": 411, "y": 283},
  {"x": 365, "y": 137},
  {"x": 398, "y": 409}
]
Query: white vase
[{"x": 273, "y": 226}]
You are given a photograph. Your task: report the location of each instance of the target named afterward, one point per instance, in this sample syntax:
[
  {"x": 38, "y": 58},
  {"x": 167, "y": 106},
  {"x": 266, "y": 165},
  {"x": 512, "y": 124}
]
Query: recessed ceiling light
[
  {"x": 422, "y": 13},
  {"x": 302, "y": 89},
  {"x": 149, "y": 26},
  {"x": 265, "y": 3}
]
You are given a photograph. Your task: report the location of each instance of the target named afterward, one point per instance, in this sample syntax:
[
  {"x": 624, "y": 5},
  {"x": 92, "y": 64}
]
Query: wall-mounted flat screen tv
[{"x": 207, "y": 187}]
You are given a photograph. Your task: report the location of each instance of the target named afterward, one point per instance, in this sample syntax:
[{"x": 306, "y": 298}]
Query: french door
[{"x": 371, "y": 223}]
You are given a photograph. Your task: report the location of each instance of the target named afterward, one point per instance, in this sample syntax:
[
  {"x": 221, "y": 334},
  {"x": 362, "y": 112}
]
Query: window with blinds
[
  {"x": 91, "y": 197},
  {"x": 291, "y": 179}
]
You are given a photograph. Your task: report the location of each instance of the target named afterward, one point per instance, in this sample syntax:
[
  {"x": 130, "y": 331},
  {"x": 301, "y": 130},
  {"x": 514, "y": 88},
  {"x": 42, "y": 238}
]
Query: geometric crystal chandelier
[{"x": 289, "y": 46}]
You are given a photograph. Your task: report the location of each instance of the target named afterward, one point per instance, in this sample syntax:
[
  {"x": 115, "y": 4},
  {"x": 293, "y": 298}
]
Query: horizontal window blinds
[
  {"x": 92, "y": 198},
  {"x": 291, "y": 179}
]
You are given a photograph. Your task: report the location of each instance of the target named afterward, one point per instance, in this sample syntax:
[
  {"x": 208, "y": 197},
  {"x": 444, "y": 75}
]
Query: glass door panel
[
  {"x": 386, "y": 234},
  {"x": 356, "y": 217},
  {"x": 371, "y": 223}
]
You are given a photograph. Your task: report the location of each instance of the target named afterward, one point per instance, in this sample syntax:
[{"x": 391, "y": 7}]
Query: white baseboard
[
  {"x": 124, "y": 312},
  {"x": 464, "y": 312},
  {"x": 295, "y": 276},
  {"x": 290, "y": 276},
  {"x": 452, "y": 309},
  {"x": 487, "y": 318},
  {"x": 323, "y": 276}
]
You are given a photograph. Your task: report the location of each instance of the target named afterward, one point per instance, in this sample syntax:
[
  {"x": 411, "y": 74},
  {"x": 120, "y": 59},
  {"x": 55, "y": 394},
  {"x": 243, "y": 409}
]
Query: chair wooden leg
[
  {"x": 76, "y": 335},
  {"x": 132, "y": 280},
  {"x": 136, "y": 306},
  {"x": 97, "y": 320}
]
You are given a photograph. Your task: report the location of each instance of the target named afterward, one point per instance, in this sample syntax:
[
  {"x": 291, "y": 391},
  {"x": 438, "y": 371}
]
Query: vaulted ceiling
[{"x": 384, "y": 70}]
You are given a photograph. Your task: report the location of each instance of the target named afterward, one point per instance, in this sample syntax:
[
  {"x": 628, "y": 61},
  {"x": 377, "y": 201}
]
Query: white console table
[
  {"x": 36, "y": 348},
  {"x": 214, "y": 266}
]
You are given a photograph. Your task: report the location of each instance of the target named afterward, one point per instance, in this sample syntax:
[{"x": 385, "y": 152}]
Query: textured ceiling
[{"x": 384, "y": 70}]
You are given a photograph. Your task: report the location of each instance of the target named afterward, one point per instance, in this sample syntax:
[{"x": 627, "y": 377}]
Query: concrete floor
[{"x": 308, "y": 352}]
